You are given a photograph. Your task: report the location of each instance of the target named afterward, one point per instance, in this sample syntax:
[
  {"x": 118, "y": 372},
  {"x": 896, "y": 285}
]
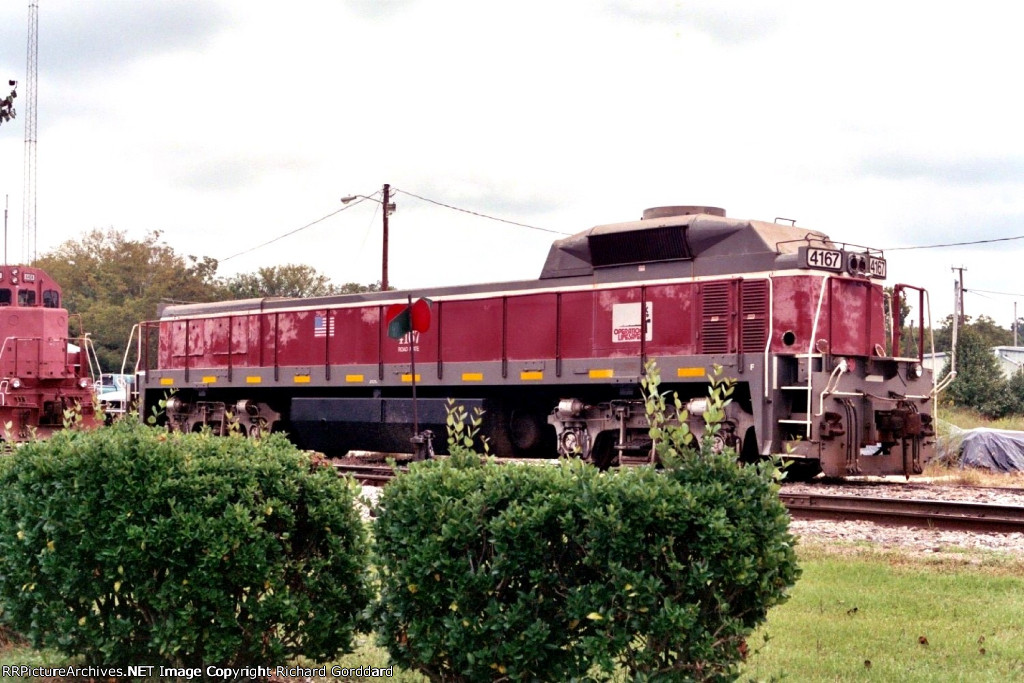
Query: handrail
[
  {"x": 831, "y": 385},
  {"x": 127, "y": 348},
  {"x": 37, "y": 340},
  {"x": 810, "y": 352},
  {"x": 897, "y": 329},
  {"x": 938, "y": 386},
  {"x": 84, "y": 343},
  {"x": 87, "y": 347},
  {"x": 889, "y": 321},
  {"x": 771, "y": 330}
]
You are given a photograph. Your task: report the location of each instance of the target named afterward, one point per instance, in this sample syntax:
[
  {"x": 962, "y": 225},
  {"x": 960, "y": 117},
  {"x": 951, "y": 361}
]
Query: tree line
[
  {"x": 111, "y": 282},
  {"x": 980, "y": 383}
]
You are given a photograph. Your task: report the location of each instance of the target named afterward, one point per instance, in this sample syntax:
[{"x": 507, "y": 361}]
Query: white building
[{"x": 1011, "y": 359}]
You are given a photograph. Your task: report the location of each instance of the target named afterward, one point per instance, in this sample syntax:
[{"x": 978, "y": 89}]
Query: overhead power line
[
  {"x": 362, "y": 198},
  {"x": 358, "y": 199},
  {"x": 957, "y": 244},
  {"x": 481, "y": 215},
  {"x": 988, "y": 291},
  {"x": 346, "y": 207}
]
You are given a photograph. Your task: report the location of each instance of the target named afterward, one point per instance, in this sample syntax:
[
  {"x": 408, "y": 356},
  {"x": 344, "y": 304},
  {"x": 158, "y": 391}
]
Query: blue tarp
[{"x": 998, "y": 450}]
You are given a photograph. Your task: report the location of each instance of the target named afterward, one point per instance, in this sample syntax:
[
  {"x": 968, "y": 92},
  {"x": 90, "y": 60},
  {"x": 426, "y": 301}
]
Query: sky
[{"x": 235, "y": 127}]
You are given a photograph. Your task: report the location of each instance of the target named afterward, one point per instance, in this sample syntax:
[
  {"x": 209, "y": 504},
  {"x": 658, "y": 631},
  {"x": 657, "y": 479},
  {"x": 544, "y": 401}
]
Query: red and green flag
[{"x": 405, "y": 318}]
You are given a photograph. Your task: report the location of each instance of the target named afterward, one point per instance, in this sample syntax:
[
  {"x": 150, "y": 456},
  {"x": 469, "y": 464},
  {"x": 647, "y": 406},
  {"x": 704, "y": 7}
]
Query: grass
[
  {"x": 942, "y": 473},
  {"x": 858, "y": 613},
  {"x": 869, "y": 615},
  {"x": 964, "y": 418}
]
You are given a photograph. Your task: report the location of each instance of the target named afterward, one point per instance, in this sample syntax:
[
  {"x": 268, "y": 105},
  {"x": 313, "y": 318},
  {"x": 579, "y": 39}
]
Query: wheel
[
  {"x": 524, "y": 431},
  {"x": 801, "y": 470},
  {"x": 603, "y": 453}
]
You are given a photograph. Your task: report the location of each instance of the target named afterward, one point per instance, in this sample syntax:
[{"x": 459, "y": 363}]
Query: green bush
[
  {"x": 476, "y": 562},
  {"x": 491, "y": 571},
  {"x": 130, "y": 545}
]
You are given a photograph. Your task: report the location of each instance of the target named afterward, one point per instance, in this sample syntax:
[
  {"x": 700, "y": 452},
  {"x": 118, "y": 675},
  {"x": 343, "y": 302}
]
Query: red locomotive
[
  {"x": 45, "y": 378},
  {"x": 798, "y": 320}
]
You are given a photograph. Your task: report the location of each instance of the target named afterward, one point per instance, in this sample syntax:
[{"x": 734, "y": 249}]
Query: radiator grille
[
  {"x": 716, "y": 308},
  {"x": 754, "y": 315}
]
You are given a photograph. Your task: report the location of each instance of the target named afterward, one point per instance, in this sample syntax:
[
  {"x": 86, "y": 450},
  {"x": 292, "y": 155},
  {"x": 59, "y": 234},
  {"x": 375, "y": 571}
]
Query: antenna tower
[{"x": 28, "y": 231}]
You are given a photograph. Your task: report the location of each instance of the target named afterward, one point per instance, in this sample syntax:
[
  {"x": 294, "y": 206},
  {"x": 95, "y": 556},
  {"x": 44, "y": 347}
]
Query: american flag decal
[{"x": 323, "y": 326}]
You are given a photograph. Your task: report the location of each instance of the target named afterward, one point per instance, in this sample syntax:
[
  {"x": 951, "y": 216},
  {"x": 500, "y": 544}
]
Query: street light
[{"x": 389, "y": 208}]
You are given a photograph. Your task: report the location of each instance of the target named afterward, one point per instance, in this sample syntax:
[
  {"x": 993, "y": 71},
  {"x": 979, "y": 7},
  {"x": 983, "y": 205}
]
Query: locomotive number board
[
  {"x": 876, "y": 267},
  {"x": 825, "y": 259},
  {"x": 836, "y": 260}
]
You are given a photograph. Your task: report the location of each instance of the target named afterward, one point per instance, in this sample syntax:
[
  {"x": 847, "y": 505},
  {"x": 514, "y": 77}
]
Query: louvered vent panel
[
  {"x": 754, "y": 315},
  {"x": 639, "y": 246},
  {"x": 715, "y": 314}
]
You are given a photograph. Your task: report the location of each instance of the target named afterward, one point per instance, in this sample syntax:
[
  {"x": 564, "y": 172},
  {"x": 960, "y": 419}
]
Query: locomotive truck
[
  {"x": 801, "y": 322},
  {"x": 45, "y": 377}
]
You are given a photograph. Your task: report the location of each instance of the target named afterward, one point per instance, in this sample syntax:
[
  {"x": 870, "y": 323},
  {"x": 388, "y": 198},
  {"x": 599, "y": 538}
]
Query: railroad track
[
  {"x": 928, "y": 514},
  {"x": 368, "y": 474}
]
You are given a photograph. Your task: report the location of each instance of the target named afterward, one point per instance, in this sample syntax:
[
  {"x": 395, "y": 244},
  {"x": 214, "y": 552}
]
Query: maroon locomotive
[
  {"x": 45, "y": 378},
  {"x": 801, "y": 322}
]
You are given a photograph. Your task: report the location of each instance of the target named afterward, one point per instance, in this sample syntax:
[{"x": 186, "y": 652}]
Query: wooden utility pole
[
  {"x": 960, "y": 292},
  {"x": 956, "y": 323},
  {"x": 389, "y": 208},
  {"x": 384, "y": 259}
]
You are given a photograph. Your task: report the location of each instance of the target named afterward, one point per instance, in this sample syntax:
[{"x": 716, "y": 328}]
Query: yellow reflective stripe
[
  {"x": 531, "y": 374},
  {"x": 209, "y": 380},
  {"x": 253, "y": 380},
  {"x": 167, "y": 381},
  {"x": 601, "y": 374},
  {"x": 407, "y": 377},
  {"x": 690, "y": 372},
  {"x": 472, "y": 377},
  {"x": 302, "y": 379},
  {"x": 353, "y": 378}
]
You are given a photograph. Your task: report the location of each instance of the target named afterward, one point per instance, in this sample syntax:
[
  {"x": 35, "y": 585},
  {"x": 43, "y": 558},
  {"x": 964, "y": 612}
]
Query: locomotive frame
[{"x": 799, "y": 321}]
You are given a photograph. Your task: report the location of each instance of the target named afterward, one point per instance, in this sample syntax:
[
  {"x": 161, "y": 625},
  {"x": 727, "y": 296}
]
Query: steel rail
[
  {"x": 367, "y": 474},
  {"x": 929, "y": 514},
  {"x": 853, "y": 483}
]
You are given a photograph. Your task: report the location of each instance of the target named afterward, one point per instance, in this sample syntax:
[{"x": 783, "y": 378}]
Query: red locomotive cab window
[
  {"x": 5, "y": 296},
  {"x": 51, "y": 298},
  {"x": 26, "y": 297}
]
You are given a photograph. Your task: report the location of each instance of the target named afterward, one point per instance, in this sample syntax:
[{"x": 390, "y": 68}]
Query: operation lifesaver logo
[{"x": 626, "y": 323}]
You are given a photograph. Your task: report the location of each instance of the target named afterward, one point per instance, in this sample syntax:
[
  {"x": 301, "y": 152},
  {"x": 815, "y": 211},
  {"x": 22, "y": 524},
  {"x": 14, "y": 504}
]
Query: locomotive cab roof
[{"x": 701, "y": 235}]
